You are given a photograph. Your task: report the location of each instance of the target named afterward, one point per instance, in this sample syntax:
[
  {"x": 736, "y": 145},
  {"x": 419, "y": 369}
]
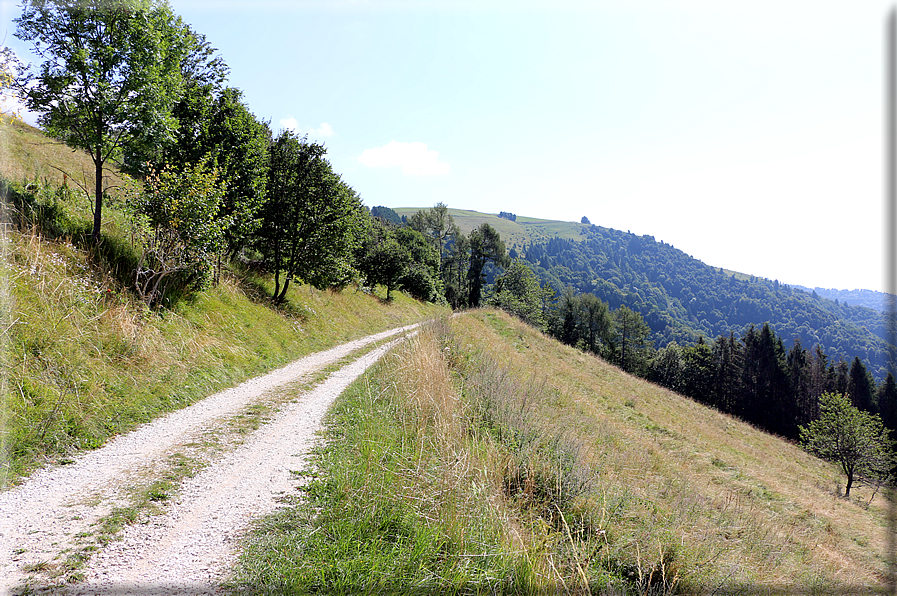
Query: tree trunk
[
  {"x": 283, "y": 293},
  {"x": 98, "y": 201},
  {"x": 849, "y": 484},
  {"x": 276, "y": 284}
]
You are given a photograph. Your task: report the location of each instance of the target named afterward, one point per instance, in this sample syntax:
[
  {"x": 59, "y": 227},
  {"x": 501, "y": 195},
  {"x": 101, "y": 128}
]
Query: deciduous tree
[
  {"x": 311, "y": 219},
  {"x": 632, "y": 340},
  {"x": 381, "y": 259},
  {"x": 399, "y": 258},
  {"x": 177, "y": 231},
  {"x": 854, "y": 439},
  {"x": 518, "y": 292},
  {"x": 110, "y": 73},
  {"x": 438, "y": 226},
  {"x": 485, "y": 246}
]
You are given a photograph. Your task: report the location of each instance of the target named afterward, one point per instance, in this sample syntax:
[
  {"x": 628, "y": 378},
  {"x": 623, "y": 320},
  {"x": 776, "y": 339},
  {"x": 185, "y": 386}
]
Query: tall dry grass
[
  {"x": 400, "y": 500},
  {"x": 685, "y": 490}
]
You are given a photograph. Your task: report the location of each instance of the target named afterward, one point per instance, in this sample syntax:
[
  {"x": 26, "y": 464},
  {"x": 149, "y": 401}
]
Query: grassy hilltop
[{"x": 525, "y": 230}]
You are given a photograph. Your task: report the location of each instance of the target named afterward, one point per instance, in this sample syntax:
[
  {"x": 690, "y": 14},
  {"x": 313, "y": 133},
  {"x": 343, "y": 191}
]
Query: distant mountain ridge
[
  {"x": 682, "y": 298},
  {"x": 868, "y": 298}
]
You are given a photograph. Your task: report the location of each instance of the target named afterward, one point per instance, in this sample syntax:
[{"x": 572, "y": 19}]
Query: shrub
[{"x": 175, "y": 225}]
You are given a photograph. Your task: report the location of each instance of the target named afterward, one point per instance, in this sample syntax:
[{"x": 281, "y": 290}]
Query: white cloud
[
  {"x": 289, "y": 123},
  {"x": 414, "y": 159},
  {"x": 323, "y": 131}
]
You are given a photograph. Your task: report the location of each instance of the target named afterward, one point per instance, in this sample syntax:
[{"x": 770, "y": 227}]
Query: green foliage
[
  {"x": 887, "y": 402},
  {"x": 631, "y": 348},
  {"x": 667, "y": 368},
  {"x": 84, "y": 360},
  {"x": 751, "y": 377},
  {"x": 595, "y": 325},
  {"x": 400, "y": 258},
  {"x": 219, "y": 127},
  {"x": 698, "y": 368},
  {"x": 386, "y": 214},
  {"x": 583, "y": 321},
  {"x": 421, "y": 276},
  {"x": 486, "y": 246},
  {"x": 311, "y": 221},
  {"x": 109, "y": 76},
  {"x": 465, "y": 262},
  {"x": 381, "y": 259},
  {"x": 203, "y": 75},
  {"x": 517, "y": 291},
  {"x": 861, "y": 386},
  {"x": 855, "y": 440},
  {"x": 438, "y": 227},
  {"x": 873, "y": 299},
  {"x": 177, "y": 231}
]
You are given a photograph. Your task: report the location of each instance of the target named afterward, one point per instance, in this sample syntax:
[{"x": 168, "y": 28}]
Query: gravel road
[{"x": 188, "y": 549}]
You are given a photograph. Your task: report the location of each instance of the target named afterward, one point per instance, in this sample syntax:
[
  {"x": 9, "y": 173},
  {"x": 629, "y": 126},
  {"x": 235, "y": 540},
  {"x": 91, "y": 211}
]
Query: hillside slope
[
  {"x": 26, "y": 154},
  {"x": 735, "y": 500},
  {"x": 83, "y": 360},
  {"x": 489, "y": 457}
]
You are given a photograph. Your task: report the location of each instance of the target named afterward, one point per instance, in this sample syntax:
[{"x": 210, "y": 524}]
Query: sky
[{"x": 748, "y": 135}]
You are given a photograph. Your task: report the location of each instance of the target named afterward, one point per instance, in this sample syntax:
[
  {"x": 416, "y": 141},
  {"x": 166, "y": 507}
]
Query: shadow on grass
[
  {"x": 42, "y": 207},
  {"x": 253, "y": 283}
]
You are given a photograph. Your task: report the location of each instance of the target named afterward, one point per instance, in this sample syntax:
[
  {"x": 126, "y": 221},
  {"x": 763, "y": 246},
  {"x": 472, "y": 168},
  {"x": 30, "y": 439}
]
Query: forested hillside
[
  {"x": 869, "y": 298},
  {"x": 681, "y": 298}
]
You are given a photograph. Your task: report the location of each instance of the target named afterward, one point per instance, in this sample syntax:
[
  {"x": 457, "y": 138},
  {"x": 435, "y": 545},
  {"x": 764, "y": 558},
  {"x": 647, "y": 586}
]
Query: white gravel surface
[{"x": 188, "y": 549}]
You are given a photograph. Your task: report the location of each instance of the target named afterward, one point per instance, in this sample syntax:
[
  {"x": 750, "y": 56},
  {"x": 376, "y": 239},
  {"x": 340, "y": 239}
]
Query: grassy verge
[
  {"x": 486, "y": 458},
  {"x": 82, "y": 360}
]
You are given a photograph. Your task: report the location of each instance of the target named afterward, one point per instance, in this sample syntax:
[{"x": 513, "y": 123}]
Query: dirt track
[{"x": 188, "y": 548}]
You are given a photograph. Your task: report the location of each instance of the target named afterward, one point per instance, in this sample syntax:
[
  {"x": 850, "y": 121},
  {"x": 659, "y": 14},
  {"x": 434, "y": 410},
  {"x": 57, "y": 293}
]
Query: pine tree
[
  {"x": 860, "y": 386},
  {"x": 729, "y": 358},
  {"x": 887, "y": 402},
  {"x": 632, "y": 340},
  {"x": 799, "y": 380}
]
